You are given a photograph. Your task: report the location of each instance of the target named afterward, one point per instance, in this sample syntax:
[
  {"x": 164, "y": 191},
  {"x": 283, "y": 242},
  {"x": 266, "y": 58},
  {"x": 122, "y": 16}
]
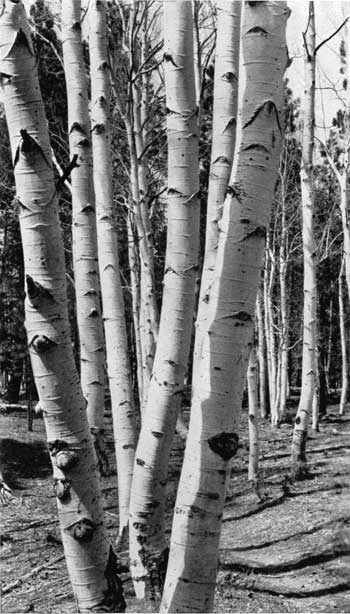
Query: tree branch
[{"x": 330, "y": 37}]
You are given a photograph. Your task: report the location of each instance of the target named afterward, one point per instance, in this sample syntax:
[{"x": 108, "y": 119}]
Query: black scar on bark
[
  {"x": 224, "y": 444},
  {"x": 36, "y": 290},
  {"x": 140, "y": 462},
  {"x": 42, "y": 344},
  {"x": 256, "y": 147},
  {"x": 62, "y": 489},
  {"x": 57, "y": 445},
  {"x": 76, "y": 126},
  {"x": 82, "y": 530},
  {"x": 223, "y": 160},
  {"x": 66, "y": 459},
  {"x": 99, "y": 129},
  {"x": 257, "y": 30},
  {"x": 167, "y": 57},
  {"x": 270, "y": 107},
  {"x": 93, "y": 313}
]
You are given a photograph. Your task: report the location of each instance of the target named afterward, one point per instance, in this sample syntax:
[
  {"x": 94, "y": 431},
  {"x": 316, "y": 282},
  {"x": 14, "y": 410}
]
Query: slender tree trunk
[
  {"x": 267, "y": 326},
  {"x": 344, "y": 186},
  {"x": 284, "y": 313},
  {"x": 118, "y": 365},
  {"x": 223, "y": 144},
  {"x": 85, "y": 262},
  {"x": 90, "y": 560},
  {"x": 212, "y": 439},
  {"x": 261, "y": 353},
  {"x": 307, "y": 193},
  {"x": 344, "y": 351},
  {"x": 253, "y": 419},
  {"x": 329, "y": 344},
  {"x": 147, "y": 539}
]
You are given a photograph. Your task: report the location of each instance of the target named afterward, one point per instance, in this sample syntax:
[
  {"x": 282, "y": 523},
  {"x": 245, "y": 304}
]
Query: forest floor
[{"x": 289, "y": 552}]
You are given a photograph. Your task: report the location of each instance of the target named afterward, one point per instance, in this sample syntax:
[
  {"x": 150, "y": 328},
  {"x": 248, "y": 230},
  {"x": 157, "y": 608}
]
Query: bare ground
[{"x": 288, "y": 551}]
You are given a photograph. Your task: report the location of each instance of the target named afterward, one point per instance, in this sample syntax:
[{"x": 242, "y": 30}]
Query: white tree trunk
[
  {"x": 212, "y": 439},
  {"x": 253, "y": 418},
  {"x": 283, "y": 309},
  {"x": 223, "y": 144},
  {"x": 118, "y": 366},
  {"x": 90, "y": 561},
  {"x": 147, "y": 539},
  {"x": 343, "y": 344},
  {"x": 85, "y": 262},
  {"x": 261, "y": 352},
  {"x": 309, "y": 252}
]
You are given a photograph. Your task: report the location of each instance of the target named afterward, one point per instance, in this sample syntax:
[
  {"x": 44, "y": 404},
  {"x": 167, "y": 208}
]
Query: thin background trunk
[
  {"x": 118, "y": 365},
  {"x": 85, "y": 262},
  {"x": 148, "y": 547},
  {"x": 309, "y": 252}
]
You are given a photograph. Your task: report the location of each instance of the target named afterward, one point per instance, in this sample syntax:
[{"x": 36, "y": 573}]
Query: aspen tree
[
  {"x": 341, "y": 170},
  {"x": 344, "y": 351},
  {"x": 253, "y": 418},
  {"x": 283, "y": 380},
  {"x": 223, "y": 144},
  {"x": 85, "y": 262},
  {"x": 261, "y": 351},
  {"x": 90, "y": 559},
  {"x": 118, "y": 365},
  {"x": 212, "y": 440},
  {"x": 148, "y": 546},
  {"x": 145, "y": 309},
  {"x": 309, "y": 253}
]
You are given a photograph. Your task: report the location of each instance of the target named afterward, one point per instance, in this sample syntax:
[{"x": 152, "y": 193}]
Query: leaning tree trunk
[
  {"x": 307, "y": 195},
  {"x": 223, "y": 144},
  {"x": 148, "y": 546},
  {"x": 212, "y": 440},
  {"x": 118, "y": 365},
  {"x": 90, "y": 560},
  {"x": 85, "y": 263}
]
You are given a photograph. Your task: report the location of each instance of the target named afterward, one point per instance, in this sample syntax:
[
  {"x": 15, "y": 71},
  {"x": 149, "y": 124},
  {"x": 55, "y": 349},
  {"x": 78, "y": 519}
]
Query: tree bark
[
  {"x": 85, "y": 261},
  {"x": 343, "y": 344},
  {"x": 261, "y": 353},
  {"x": 299, "y": 463},
  {"x": 147, "y": 539},
  {"x": 90, "y": 559},
  {"x": 253, "y": 418},
  {"x": 223, "y": 144},
  {"x": 212, "y": 440},
  {"x": 118, "y": 365}
]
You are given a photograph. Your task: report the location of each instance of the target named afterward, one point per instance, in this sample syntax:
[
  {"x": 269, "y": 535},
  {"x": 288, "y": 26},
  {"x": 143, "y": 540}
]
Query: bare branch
[{"x": 331, "y": 36}]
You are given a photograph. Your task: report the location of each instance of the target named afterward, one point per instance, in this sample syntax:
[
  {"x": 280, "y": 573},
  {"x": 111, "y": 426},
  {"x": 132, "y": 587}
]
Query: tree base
[{"x": 300, "y": 471}]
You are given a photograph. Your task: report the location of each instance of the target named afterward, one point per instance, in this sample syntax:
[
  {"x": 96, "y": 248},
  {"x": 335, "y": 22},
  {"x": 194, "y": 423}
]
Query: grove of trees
[{"x": 173, "y": 231}]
